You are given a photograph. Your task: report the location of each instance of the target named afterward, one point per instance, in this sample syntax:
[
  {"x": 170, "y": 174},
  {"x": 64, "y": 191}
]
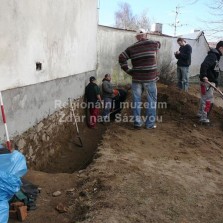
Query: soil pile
[{"x": 165, "y": 175}]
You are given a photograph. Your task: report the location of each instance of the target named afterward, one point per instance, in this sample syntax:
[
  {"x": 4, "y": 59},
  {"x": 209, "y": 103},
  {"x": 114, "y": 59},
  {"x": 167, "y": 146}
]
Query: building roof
[
  {"x": 150, "y": 33},
  {"x": 212, "y": 44},
  {"x": 194, "y": 35}
]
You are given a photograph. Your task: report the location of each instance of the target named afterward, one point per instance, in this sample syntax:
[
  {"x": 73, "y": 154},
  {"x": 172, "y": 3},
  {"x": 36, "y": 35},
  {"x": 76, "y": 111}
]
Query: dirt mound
[{"x": 169, "y": 174}]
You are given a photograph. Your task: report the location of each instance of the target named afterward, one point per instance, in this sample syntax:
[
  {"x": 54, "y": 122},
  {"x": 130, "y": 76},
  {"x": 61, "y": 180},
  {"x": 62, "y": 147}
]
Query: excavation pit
[{"x": 52, "y": 145}]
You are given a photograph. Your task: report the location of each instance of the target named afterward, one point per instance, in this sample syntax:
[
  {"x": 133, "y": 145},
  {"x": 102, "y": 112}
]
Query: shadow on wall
[{"x": 119, "y": 76}]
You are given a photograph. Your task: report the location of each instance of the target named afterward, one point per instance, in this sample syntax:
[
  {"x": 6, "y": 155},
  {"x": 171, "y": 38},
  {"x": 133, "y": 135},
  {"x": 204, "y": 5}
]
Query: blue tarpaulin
[{"x": 12, "y": 167}]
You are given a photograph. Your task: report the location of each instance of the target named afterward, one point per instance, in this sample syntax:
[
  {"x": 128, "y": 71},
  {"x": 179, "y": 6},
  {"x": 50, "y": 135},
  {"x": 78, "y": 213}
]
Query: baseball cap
[
  {"x": 141, "y": 31},
  {"x": 92, "y": 79}
]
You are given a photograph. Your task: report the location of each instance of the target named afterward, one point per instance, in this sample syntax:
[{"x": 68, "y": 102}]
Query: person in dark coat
[
  {"x": 183, "y": 55},
  {"x": 119, "y": 99},
  {"x": 209, "y": 72},
  {"x": 93, "y": 99}
]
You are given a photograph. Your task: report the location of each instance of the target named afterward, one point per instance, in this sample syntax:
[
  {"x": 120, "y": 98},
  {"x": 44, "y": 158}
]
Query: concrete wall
[
  {"x": 59, "y": 34},
  {"x": 27, "y": 106},
  {"x": 111, "y": 42},
  {"x": 199, "y": 52},
  {"x": 62, "y": 35}
]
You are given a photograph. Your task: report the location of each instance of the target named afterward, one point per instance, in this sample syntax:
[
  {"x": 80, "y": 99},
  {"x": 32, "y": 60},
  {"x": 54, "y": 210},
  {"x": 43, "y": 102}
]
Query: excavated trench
[
  {"x": 52, "y": 145},
  {"x": 71, "y": 156}
]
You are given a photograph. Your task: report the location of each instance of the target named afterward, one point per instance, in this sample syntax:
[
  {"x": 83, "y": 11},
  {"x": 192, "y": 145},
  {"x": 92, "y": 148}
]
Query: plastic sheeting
[
  {"x": 12, "y": 167},
  {"x": 4, "y": 211},
  {"x": 13, "y": 163}
]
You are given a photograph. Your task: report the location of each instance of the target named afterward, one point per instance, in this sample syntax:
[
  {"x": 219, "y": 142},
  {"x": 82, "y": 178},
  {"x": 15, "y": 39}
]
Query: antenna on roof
[{"x": 176, "y": 23}]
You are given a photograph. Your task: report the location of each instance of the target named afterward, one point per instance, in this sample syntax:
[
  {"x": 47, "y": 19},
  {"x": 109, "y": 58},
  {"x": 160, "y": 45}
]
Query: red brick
[
  {"x": 22, "y": 213},
  {"x": 16, "y": 205},
  {"x": 13, "y": 214}
]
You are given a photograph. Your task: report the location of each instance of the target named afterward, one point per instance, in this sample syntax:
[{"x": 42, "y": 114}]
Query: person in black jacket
[
  {"x": 92, "y": 97},
  {"x": 183, "y": 55},
  {"x": 209, "y": 71}
]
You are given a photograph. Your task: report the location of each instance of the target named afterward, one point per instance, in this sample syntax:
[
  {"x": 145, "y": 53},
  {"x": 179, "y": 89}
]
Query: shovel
[
  {"x": 216, "y": 89},
  {"x": 75, "y": 120}
]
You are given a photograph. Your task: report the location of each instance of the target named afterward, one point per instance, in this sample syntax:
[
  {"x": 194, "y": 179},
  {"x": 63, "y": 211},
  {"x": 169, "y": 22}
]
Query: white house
[
  {"x": 112, "y": 41},
  {"x": 48, "y": 50}
]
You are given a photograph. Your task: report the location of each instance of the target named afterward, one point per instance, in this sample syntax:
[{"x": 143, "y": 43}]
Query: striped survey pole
[{"x": 4, "y": 121}]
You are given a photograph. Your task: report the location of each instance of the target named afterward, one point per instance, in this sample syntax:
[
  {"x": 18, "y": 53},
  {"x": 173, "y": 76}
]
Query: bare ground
[{"x": 169, "y": 174}]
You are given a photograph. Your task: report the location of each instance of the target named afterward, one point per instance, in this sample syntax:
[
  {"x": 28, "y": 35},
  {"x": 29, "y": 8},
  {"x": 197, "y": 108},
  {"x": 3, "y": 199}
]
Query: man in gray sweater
[{"x": 108, "y": 95}]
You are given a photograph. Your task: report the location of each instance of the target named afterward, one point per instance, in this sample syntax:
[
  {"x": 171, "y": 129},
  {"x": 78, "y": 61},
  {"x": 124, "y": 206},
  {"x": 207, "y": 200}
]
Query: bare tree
[
  {"x": 216, "y": 9},
  {"x": 167, "y": 71},
  {"x": 214, "y": 26},
  {"x": 125, "y": 19},
  {"x": 143, "y": 21}
]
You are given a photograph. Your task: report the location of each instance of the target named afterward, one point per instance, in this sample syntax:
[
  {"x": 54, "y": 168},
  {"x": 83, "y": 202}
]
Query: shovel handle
[
  {"x": 80, "y": 141},
  {"x": 215, "y": 88},
  {"x": 74, "y": 116}
]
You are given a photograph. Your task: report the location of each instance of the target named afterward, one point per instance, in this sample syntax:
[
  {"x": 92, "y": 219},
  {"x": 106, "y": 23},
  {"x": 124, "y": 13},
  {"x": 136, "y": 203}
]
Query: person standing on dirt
[
  {"x": 183, "y": 55},
  {"x": 108, "y": 93},
  {"x": 93, "y": 98},
  {"x": 143, "y": 55},
  {"x": 209, "y": 72}
]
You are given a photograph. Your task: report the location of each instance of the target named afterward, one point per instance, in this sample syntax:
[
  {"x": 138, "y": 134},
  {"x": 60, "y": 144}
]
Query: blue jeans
[
  {"x": 107, "y": 108},
  {"x": 151, "y": 92},
  {"x": 183, "y": 78}
]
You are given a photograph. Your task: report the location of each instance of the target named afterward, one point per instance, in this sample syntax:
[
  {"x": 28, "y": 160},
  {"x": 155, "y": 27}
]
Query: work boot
[
  {"x": 198, "y": 115},
  {"x": 137, "y": 127},
  {"x": 204, "y": 120},
  {"x": 153, "y": 127}
]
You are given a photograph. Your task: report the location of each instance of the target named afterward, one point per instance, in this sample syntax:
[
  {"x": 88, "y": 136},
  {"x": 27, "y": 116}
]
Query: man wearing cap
[
  {"x": 143, "y": 55},
  {"x": 92, "y": 97},
  {"x": 183, "y": 55}
]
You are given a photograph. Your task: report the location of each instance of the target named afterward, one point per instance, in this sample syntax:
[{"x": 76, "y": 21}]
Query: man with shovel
[{"x": 209, "y": 73}]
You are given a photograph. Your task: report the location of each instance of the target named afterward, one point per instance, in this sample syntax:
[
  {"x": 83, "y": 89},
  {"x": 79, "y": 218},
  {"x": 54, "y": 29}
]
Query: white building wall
[
  {"x": 59, "y": 34},
  {"x": 112, "y": 42},
  {"x": 199, "y": 52}
]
